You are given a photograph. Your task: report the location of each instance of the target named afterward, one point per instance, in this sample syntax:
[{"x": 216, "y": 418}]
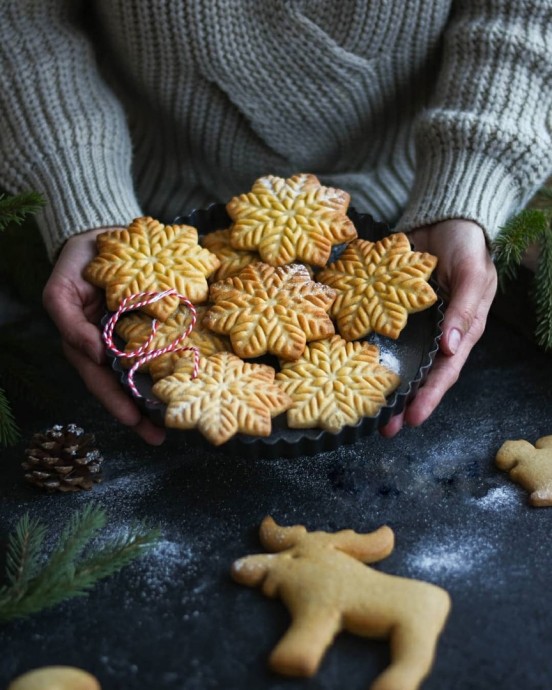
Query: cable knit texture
[{"x": 423, "y": 111}]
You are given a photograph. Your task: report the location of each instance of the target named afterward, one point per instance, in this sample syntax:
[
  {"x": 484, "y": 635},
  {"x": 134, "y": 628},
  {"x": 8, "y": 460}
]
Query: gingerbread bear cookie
[
  {"x": 530, "y": 466},
  {"x": 322, "y": 580}
]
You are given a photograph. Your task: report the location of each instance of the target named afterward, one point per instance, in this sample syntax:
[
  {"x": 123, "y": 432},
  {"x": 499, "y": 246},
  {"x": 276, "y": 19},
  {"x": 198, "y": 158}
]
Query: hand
[
  {"x": 76, "y": 307},
  {"x": 467, "y": 279}
]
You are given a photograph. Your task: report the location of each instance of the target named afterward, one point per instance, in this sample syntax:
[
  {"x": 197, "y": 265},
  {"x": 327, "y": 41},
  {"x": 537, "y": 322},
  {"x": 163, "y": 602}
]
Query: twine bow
[{"x": 142, "y": 354}]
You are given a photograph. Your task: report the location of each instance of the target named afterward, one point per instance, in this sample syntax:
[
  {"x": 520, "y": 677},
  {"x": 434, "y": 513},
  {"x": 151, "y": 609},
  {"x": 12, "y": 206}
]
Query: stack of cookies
[{"x": 263, "y": 288}]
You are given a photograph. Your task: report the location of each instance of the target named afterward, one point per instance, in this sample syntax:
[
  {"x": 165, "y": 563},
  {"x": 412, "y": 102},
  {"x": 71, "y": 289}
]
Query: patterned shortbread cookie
[
  {"x": 135, "y": 329},
  {"x": 267, "y": 309},
  {"x": 288, "y": 220},
  {"x": 150, "y": 256},
  {"x": 335, "y": 383},
  {"x": 232, "y": 261},
  {"x": 378, "y": 284},
  {"x": 228, "y": 396}
]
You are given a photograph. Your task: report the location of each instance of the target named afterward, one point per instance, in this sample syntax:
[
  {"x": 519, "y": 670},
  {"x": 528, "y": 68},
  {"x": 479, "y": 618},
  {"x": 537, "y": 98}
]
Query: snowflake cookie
[
  {"x": 135, "y": 329},
  {"x": 150, "y": 256},
  {"x": 378, "y": 284},
  {"x": 289, "y": 220},
  {"x": 232, "y": 261},
  {"x": 270, "y": 310},
  {"x": 228, "y": 396},
  {"x": 335, "y": 383}
]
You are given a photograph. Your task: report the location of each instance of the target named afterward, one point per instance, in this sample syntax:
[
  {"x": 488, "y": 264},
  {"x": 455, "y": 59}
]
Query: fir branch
[
  {"x": 14, "y": 209},
  {"x": 65, "y": 576},
  {"x": 514, "y": 238},
  {"x": 112, "y": 558},
  {"x": 22, "y": 559},
  {"x": 9, "y": 431},
  {"x": 82, "y": 527},
  {"x": 543, "y": 291}
]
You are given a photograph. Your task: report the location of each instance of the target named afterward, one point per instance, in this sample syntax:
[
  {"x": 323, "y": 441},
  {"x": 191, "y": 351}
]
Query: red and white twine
[{"x": 142, "y": 354}]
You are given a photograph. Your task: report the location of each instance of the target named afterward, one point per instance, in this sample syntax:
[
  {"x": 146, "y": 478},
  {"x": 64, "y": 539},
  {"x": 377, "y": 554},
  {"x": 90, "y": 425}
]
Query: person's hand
[
  {"x": 467, "y": 279},
  {"x": 76, "y": 306}
]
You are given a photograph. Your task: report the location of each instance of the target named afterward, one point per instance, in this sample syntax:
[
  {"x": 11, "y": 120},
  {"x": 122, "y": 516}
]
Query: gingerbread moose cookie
[
  {"x": 322, "y": 580},
  {"x": 530, "y": 466}
]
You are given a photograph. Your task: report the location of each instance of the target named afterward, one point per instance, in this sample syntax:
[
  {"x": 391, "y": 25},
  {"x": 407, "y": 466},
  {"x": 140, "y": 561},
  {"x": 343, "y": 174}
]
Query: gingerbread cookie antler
[
  {"x": 321, "y": 579},
  {"x": 530, "y": 466}
]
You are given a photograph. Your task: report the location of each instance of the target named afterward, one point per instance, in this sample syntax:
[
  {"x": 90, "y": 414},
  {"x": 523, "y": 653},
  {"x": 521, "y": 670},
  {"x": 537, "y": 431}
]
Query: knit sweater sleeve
[
  {"x": 484, "y": 144},
  {"x": 63, "y": 132}
]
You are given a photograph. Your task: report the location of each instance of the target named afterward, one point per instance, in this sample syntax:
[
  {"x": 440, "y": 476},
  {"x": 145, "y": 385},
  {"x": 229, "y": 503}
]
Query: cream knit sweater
[{"x": 422, "y": 110}]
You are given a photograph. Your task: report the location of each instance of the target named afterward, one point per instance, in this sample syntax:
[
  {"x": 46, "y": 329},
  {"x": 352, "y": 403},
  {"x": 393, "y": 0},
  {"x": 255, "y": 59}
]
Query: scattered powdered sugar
[
  {"x": 448, "y": 557},
  {"x": 500, "y": 498},
  {"x": 158, "y": 569},
  {"x": 161, "y": 566}
]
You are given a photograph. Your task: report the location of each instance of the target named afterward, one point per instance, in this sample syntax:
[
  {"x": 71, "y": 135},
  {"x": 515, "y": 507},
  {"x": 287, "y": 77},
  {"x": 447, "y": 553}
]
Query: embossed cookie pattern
[
  {"x": 289, "y": 220},
  {"x": 135, "y": 329},
  {"x": 378, "y": 284},
  {"x": 232, "y": 260},
  {"x": 270, "y": 310},
  {"x": 335, "y": 383},
  {"x": 150, "y": 256},
  {"x": 228, "y": 396}
]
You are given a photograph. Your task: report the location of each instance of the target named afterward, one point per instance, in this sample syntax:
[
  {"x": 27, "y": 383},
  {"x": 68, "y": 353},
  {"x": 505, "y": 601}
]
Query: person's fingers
[
  {"x": 150, "y": 432},
  {"x": 444, "y": 374},
  {"x": 467, "y": 279},
  {"x": 74, "y": 305},
  {"x": 101, "y": 382},
  {"x": 65, "y": 308},
  {"x": 393, "y": 426},
  {"x": 468, "y": 308},
  {"x": 446, "y": 369}
]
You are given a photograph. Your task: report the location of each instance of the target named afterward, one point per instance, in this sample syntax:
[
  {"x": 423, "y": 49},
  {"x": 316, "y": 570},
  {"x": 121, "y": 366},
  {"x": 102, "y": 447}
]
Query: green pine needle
[
  {"x": 9, "y": 431},
  {"x": 14, "y": 209},
  {"x": 514, "y": 238},
  {"x": 108, "y": 560},
  {"x": 66, "y": 573},
  {"x": 82, "y": 527},
  {"x": 543, "y": 292},
  {"x": 531, "y": 226},
  {"x": 22, "y": 559}
]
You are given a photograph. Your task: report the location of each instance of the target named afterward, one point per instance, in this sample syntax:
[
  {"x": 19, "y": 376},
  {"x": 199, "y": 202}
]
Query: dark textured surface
[{"x": 175, "y": 619}]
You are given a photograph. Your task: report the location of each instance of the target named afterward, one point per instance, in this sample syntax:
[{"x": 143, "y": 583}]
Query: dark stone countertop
[{"x": 174, "y": 619}]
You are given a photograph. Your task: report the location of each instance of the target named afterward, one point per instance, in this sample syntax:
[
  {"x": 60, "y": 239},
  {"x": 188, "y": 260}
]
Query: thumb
[{"x": 461, "y": 316}]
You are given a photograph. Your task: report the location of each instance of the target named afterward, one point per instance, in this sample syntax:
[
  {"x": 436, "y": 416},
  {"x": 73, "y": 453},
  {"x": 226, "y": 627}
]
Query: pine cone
[{"x": 63, "y": 459}]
